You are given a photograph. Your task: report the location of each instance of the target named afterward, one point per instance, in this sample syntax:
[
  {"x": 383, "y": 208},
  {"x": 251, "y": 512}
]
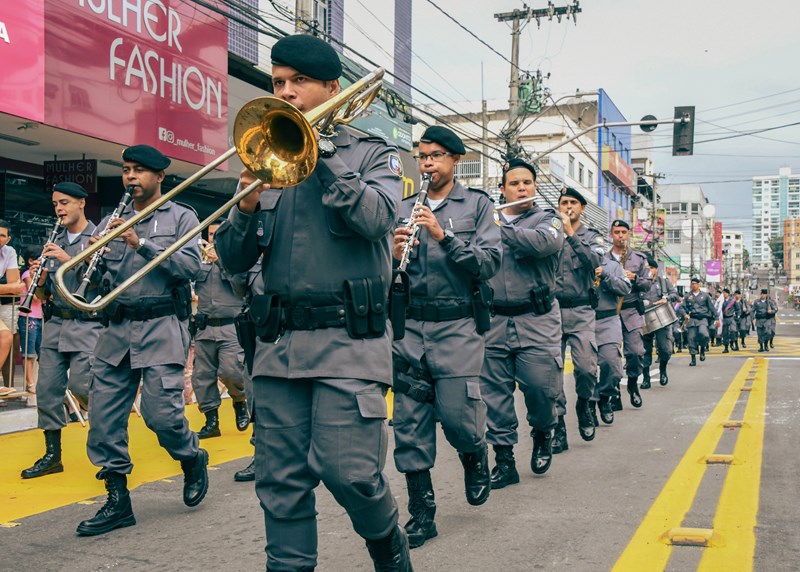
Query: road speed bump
[
  {"x": 681, "y": 536},
  {"x": 717, "y": 459}
]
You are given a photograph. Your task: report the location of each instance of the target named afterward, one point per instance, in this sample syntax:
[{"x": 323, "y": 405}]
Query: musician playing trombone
[
  {"x": 321, "y": 347},
  {"x": 69, "y": 336},
  {"x": 146, "y": 340}
]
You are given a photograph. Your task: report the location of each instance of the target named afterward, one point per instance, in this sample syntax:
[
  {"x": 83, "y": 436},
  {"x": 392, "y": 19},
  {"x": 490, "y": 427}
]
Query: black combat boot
[
  {"x": 694, "y": 360},
  {"x": 593, "y": 411},
  {"x": 662, "y": 373},
  {"x": 744, "y": 345},
  {"x": 477, "y": 481},
  {"x": 585, "y": 421},
  {"x": 559, "y": 441},
  {"x": 771, "y": 344},
  {"x": 211, "y": 428},
  {"x": 505, "y": 468},
  {"x": 421, "y": 507},
  {"x": 391, "y": 554},
  {"x": 702, "y": 354},
  {"x": 616, "y": 401},
  {"x": 116, "y": 513},
  {"x": 195, "y": 478},
  {"x": 51, "y": 462},
  {"x": 242, "y": 416},
  {"x": 542, "y": 455},
  {"x": 633, "y": 392},
  {"x": 734, "y": 345},
  {"x": 725, "y": 351},
  {"x": 606, "y": 410},
  {"x": 646, "y": 378},
  {"x": 246, "y": 474}
]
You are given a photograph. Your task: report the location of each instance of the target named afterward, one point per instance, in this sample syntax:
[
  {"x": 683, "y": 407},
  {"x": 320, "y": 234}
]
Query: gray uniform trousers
[
  {"x": 729, "y": 330},
  {"x": 633, "y": 348},
  {"x": 763, "y": 330},
  {"x": 456, "y": 399},
  {"x": 578, "y": 325},
  {"x": 217, "y": 354},
  {"x": 537, "y": 370},
  {"x": 305, "y": 434},
  {"x": 609, "y": 357},
  {"x": 663, "y": 342},
  {"x": 54, "y": 381},
  {"x": 113, "y": 393},
  {"x": 698, "y": 335}
]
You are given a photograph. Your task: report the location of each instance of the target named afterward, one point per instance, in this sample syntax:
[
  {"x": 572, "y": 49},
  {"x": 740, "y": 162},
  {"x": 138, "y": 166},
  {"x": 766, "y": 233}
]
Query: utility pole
[
  {"x": 653, "y": 215},
  {"x": 527, "y": 14},
  {"x": 484, "y": 138}
]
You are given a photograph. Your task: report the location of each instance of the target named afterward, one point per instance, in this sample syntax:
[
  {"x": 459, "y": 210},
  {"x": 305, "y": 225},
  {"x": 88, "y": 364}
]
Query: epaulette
[
  {"x": 481, "y": 191},
  {"x": 187, "y": 207}
]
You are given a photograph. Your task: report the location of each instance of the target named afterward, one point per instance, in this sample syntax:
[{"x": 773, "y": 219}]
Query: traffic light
[{"x": 683, "y": 132}]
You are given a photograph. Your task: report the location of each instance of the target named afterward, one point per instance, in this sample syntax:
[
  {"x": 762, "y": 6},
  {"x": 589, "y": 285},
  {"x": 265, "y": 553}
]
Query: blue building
[{"x": 616, "y": 184}]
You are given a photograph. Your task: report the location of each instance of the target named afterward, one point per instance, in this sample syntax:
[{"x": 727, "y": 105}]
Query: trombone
[{"x": 273, "y": 139}]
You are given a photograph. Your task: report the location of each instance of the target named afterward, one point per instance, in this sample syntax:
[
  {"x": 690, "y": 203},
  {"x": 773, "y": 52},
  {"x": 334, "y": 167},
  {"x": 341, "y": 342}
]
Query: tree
[
  {"x": 776, "y": 245},
  {"x": 745, "y": 259}
]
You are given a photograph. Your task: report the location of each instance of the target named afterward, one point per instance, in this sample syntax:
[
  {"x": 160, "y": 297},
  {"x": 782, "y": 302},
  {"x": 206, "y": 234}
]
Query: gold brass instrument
[
  {"x": 25, "y": 307},
  {"x": 274, "y": 140},
  {"x": 623, "y": 259},
  {"x": 207, "y": 253},
  {"x": 413, "y": 226},
  {"x": 515, "y": 203}
]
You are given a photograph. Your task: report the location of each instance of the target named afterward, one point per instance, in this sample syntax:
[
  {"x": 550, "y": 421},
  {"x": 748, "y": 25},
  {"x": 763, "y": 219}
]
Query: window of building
[
  {"x": 580, "y": 173},
  {"x": 469, "y": 169},
  {"x": 673, "y": 236},
  {"x": 589, "y": 179},
  {"x": 571, "y": 167},
  {"x": 695, "y": 208}
]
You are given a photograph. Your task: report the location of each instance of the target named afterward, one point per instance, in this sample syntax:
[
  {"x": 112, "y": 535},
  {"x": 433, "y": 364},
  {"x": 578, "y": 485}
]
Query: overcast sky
[{"x": 736, "y": 61}]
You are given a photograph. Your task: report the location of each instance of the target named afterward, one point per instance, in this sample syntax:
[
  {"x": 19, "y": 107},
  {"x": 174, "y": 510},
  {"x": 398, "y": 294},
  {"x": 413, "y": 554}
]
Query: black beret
[
  {"x": 309, "y": 55},
  {"x": 651, "y": 262},
  {"x": 726, "y": 290},
  {"x": 71, "y": 189},
  {"x": 738, "y": 292},
  {"x": 146, "y": 156},
  {"x": 444, "y": 137},
  {"x": 518, "y": 163},
  {"x": 695, "y": 279},
  {"x": 570, "y": 192},
  {"x": 765, "y": 291},
  {"x": 619, "y": 222}
]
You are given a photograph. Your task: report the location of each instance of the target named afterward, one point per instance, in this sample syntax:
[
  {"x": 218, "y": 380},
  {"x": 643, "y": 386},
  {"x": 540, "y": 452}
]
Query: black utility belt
[
  {"x": 637, "y": 305},
  {"x": 574, "y": 302},
  {"x": 202, "y": 321},
  {"x": 68, "y": 314},
  {"x": 762, "y": 316},
  {"x": 138, "y": 313},
  {"x": 521, "y": 308},
  {"x": 603, "y": 314},
  {"x": 434, "y": 313}
]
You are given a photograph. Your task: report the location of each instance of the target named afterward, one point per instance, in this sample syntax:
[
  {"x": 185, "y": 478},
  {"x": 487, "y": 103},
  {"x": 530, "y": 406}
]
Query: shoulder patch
[
  {"x": 395, "y": 164},
  {"x": 556, "y": 222}
]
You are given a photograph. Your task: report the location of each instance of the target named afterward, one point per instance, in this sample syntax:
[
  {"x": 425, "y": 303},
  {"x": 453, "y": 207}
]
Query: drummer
[{"x": 662, "y": 291}]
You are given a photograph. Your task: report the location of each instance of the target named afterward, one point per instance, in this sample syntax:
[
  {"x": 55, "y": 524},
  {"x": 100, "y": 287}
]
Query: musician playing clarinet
[{"x": 68, "y": 335}]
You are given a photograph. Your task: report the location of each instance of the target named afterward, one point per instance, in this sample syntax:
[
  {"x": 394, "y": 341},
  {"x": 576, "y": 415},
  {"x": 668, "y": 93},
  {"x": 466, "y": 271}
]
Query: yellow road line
[
  {"x": 25, "y": 497},
  {"x": 647, "y": 550},
  {"x": 735, "y": 519}
]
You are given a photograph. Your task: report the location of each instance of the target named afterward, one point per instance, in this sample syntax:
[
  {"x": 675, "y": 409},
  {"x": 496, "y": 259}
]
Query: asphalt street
[{"x": 604, "y": 505}]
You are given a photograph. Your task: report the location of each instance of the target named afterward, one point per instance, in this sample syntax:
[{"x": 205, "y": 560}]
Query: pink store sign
[
  {"x": 139, "y": 71},
  {"x": 22, "y": 58}
]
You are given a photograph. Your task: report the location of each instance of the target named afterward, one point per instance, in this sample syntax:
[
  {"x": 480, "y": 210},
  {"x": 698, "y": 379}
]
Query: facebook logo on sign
[{"x": 165, "y": 134}]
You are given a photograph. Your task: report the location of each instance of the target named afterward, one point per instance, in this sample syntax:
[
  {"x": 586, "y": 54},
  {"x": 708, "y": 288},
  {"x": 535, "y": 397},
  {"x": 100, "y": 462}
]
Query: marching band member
[
  {"x": 522, "y": 345},
  {"x": 322, "y": 355},
  {"x": 69, "y": 336},
  {"x": 437, "y": 363}
]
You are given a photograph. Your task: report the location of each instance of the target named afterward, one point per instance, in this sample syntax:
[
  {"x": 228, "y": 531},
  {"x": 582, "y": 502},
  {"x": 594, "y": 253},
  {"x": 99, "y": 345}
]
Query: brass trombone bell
[{"x": 274, "y": 140}]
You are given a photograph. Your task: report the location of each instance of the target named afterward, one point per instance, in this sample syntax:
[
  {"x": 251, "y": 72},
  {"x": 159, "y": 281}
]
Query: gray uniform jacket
[
  {"x": 613, "y": 284},
  {"x": 700, "y": 308},
  {"x": 79, "y": 336},
  {"x": 218, "y": 296},
  {"x": 657, "y": 292},
  {"x": 764, "y": 310},
  {"x": 731, "y": 311},
  {"x": 531, "y": 245},
  {"x": 334, "y": 226},
  {"x": 163, "y": 340},
  {"x": 443, "y": 276},
  {"x": 636, "y": 263},
  {"x": 582, "y": 253}
]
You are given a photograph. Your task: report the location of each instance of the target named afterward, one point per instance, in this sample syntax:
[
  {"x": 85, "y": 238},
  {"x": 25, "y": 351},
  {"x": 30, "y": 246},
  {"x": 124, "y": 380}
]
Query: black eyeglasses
[{"x": 436, "y": 156}]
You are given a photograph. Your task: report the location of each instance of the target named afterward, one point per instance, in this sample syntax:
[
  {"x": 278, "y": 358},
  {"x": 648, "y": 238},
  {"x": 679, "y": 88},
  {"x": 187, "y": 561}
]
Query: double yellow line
[{"x": 730, "y": 543}]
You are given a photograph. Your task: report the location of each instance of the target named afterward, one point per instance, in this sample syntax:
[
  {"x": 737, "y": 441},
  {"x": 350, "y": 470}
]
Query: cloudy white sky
[{"x": 736, "y": 61}]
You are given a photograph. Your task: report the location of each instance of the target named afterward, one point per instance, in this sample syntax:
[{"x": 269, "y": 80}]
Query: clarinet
[
  {"x": 25, "y": 307},
  {"x": 423, "y": 194},
  {"x": 80, "y": 293}
]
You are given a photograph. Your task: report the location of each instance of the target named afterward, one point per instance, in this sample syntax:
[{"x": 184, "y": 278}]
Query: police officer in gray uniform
[
  {"x": 608, "y": 332},
  {"x": 730, "y": 317},
  {"x": 583, "y": 250},
  {"x": 65, "y": 360},
  {"x": 522, "y": 344},
  {"x": 146, "y": 340},
  {"x": 322, "y": 355},
  {"x": 661, "y": 292},
  {"x": 743, "y": 324},
  {"x": 216, "y": 349},
  {"x": 764, "y": 310},
  {"x": 438, "y": 362},
  {"x": 699, "y": 306},
  {"x": 634, "y": 264}
]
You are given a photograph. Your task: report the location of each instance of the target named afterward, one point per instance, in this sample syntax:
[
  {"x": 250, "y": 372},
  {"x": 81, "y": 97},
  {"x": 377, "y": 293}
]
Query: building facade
[
  {"x": 775, "y": 198},
  {"x": 689, "y": 231},
  {"x": 791, "y": 249},
  {"x": 733, "y": 270}
]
